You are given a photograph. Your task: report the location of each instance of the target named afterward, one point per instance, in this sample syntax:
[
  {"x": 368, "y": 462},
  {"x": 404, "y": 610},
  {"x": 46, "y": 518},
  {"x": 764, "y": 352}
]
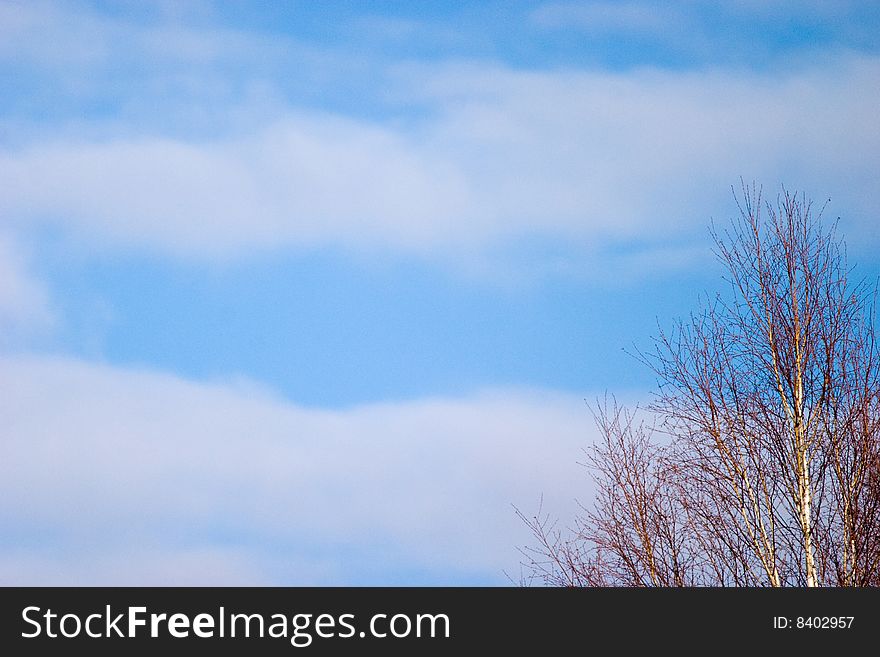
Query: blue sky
[{"x": 311, "y": 293}]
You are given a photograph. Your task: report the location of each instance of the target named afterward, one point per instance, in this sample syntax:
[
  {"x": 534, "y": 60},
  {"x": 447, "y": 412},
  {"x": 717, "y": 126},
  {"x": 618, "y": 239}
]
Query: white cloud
[
  {"x": 469, "y": 161},
  {"x": 502, "y": 155},
  {"x": 305, "y": 181},
  {"x": 137, "y": 475},
  {"x": 643, "y": 152},
  {"x": 24, "y": 300},
  {"x": 132, "y": 565},
  {"x": 70, "y": 37}
]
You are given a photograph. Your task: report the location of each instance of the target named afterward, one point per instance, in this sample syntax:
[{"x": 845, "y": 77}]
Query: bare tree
[{"x": 762, "y": 465}]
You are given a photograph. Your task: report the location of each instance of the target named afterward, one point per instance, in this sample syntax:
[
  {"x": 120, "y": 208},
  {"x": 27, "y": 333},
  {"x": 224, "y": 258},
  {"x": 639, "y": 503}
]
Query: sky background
[{"x": 300, "y": 293}]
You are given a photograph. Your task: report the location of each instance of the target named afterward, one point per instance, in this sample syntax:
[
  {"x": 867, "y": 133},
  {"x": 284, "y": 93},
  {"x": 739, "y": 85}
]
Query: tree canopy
[{"x": 758, "y": 461}]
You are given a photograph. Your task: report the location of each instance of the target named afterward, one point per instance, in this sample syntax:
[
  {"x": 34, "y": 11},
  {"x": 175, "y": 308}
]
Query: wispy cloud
[
  {"x": 502, "y": 155},
  {"x": 74, "y": 37},
  {"x": 113, "y": 463},
  {"x": 25, "y": 306}
]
